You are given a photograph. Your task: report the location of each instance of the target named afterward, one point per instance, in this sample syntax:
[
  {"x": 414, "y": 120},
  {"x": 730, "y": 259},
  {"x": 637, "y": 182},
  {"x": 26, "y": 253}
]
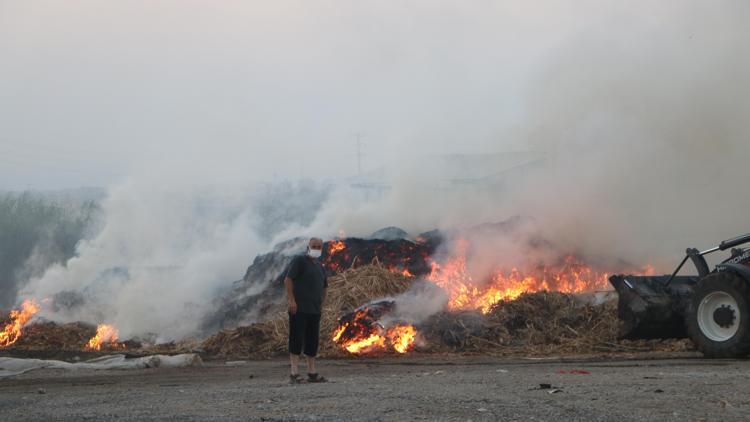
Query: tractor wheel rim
[{"x": 706, "y": 321}]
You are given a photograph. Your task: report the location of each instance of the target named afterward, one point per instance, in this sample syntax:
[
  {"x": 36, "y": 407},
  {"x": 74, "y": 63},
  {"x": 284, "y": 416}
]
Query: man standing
[{"x": 306, "y": 285}]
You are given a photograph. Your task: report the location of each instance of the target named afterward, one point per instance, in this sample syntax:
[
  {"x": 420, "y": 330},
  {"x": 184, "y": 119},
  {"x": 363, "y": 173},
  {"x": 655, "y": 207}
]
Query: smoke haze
[{"x": 619, "y": 127}]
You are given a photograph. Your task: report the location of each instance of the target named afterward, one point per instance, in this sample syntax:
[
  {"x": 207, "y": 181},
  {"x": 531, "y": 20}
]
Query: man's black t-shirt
[{"x": 308, "y": 281}]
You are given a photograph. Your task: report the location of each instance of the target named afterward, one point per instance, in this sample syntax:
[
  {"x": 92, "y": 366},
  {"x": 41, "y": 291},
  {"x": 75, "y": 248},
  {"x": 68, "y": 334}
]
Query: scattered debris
[
  {"x": 724, "y": 404},
  {"x": 574, "y": 372}
]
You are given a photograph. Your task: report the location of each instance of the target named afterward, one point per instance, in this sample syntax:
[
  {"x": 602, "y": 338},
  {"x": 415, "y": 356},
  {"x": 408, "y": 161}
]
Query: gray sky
[{"x": 92, "y": 91}]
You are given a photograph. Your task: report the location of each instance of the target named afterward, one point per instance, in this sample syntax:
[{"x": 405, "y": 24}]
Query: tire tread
[{"x": 740, "y": 347}]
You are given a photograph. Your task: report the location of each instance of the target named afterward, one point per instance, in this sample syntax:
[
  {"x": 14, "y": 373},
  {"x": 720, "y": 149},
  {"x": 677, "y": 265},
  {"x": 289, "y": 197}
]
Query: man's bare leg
[
  {"x": 311, "y": 365},
  {"x": 294, "y": 361}
]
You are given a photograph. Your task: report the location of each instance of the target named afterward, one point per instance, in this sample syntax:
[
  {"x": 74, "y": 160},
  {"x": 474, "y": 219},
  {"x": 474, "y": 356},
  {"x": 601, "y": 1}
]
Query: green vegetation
[{"x": 36, "y": 232}]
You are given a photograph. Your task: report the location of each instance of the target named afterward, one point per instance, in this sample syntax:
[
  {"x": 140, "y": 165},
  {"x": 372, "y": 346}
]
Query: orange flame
[
  {"x": 402, "y": 337},
  {"x": 339, "y": 331},
  {"x": 400, "y": 270},
  {"x": 363, "y": 333},
  {"x": 370, "y": 344},
  {"x": 372, "y": 337},
  {"x": 18, "y": 318},
  {"x": 570, "y": 276},
  {"x": 336, "y": 246},
  {"x": 105, "y": 335}
]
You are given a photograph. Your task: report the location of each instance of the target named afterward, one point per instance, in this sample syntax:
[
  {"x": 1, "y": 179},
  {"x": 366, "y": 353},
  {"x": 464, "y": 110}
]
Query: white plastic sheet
[{"x": 15, "y": 366}]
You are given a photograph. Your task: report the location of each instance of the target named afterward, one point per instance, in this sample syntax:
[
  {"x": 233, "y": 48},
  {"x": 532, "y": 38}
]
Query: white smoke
[
  {"x": 421, "y": 301},
  {"x": 637, "y": 120},
  {"x": 630, "y": 119},
  {"x": 160, "y": 257}
]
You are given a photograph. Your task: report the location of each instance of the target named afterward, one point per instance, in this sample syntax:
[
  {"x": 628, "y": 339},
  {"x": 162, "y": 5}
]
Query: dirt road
[{"x": 411, "y": 388}]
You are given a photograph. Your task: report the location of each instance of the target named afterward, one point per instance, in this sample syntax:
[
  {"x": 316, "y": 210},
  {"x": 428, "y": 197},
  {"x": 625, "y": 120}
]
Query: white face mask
[{"x": 314, "y": 253}]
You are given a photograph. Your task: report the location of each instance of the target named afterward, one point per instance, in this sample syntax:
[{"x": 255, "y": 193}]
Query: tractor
[{"x": 712, "y": 308}]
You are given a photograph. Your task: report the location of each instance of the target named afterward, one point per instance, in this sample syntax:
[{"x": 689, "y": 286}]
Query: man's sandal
[
  {"x": 296, "y": 379},
  {"x": 316, "y": 378}
]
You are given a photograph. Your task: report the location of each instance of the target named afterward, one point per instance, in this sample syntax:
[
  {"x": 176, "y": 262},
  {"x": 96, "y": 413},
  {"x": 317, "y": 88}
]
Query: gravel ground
[{"x": 409, "y": 388}]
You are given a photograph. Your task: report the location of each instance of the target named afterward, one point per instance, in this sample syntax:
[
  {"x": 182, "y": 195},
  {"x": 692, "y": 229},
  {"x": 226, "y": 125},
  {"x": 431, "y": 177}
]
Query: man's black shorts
[{"x": 304, "y": 332}]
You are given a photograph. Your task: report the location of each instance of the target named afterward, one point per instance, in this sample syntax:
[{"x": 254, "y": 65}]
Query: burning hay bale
[
  {"x": 106, "y": 338},
  {"x": 53, "y": 336},
  {"x": 346, "y": 292},
  {"x": 549, "y": 321},
  {"x": 19, "y": 332},
  {"x": 449, "y": 259},
  {"x": 12, "y": 326},
  {"x": 76, "y": 336},
  {"x": 262, "y": 284},
  {"x": 490, "y": 310},
  {"x": 370, "y": 329},
  {"x": 538, "y": 323},
  {"x": 534, "y": 323}
]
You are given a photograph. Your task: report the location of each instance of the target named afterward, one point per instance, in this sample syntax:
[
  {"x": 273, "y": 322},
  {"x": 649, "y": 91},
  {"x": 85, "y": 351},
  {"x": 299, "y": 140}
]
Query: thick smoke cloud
[
  {"x": 620, "y": 128},
  {"x": 637, "y": 120},
  {"x": 643, "y": 118}
]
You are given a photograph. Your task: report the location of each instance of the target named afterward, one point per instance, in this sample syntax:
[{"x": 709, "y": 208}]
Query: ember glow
[
  {"x": 361, "y": 332},
  {"x": 399, "y": 270},
  {"x": 18, "y": 318},
  {"x": 400, "y": 256},
  {"x": 106, "y": 335},
  {"x": 571, "y": 275},
  {"x": 335, "y": 256}
]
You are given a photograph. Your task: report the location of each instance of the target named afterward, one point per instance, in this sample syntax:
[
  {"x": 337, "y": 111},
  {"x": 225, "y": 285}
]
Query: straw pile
[
  {"x": 540, "y": 323},
  {"x": 53, "y": 336},
  {"x": 346, "y": 291}
]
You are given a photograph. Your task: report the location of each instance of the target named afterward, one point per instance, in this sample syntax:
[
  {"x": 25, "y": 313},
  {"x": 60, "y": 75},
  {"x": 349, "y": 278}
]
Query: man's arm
[
  {"x": 325, "y": 290},
  {"x": 290, "y": 296},
  {"x": 291, "y": 274}
]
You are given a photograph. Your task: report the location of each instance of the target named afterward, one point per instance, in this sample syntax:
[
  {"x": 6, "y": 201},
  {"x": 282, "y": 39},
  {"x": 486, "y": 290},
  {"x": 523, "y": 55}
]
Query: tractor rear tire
[{"x": 718, "y": 318}]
